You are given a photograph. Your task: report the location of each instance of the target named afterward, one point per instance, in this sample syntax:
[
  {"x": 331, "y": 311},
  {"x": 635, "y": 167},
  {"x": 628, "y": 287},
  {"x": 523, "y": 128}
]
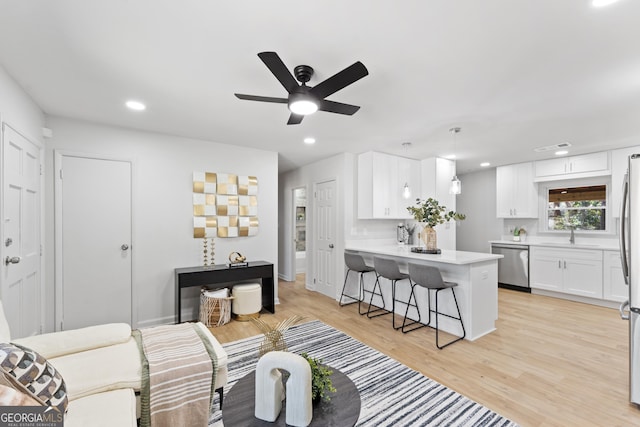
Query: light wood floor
[{"x": 551, "y": 362}]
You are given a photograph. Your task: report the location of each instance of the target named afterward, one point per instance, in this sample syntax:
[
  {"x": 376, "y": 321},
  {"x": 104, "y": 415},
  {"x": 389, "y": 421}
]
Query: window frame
[{"x": 543, "y": 194}]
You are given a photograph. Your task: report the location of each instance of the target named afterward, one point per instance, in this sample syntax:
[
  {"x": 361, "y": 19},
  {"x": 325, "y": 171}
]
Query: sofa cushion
[
  {"x": 101, "y": 369},
  {"x": 67, "y": 342},
  {"x": 30, "y": 374},
  {"x": 107, "y": 409}
]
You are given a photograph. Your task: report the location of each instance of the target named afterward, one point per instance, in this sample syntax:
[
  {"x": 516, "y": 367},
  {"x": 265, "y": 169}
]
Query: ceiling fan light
[{"x": 303, "y": 107}]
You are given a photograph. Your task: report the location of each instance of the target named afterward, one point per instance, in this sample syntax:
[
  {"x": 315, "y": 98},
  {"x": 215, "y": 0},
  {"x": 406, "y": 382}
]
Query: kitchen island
[{"x": 475, "y": 273}]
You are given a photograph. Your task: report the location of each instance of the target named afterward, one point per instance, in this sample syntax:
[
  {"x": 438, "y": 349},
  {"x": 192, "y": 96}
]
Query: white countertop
[
  {"x": 404, "y": 251},
  {"x": 562, "y": 245}
]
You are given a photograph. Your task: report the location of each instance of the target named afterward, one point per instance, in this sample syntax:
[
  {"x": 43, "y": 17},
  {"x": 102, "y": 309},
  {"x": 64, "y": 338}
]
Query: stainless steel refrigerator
[{"x": 630, "y": 256}]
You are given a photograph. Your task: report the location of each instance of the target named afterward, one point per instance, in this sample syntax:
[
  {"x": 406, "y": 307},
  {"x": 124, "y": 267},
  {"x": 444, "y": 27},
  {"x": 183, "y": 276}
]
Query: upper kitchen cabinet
[
  {"x": 381, "y": 181},
  {"x": 587, "y": 165},
  {"x": 516, "y": 192},
  {"x": 619, "y": 165}
]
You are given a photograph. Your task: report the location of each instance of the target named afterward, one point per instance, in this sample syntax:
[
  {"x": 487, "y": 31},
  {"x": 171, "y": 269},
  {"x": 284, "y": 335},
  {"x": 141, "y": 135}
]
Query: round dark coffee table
[{"x": 342, "y": 410}]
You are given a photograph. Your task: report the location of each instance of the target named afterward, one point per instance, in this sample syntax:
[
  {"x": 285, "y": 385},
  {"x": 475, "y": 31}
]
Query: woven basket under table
[{"x": 214, "y": 312}]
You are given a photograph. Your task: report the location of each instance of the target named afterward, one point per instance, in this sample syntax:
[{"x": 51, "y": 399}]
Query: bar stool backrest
[
  {"x": 426, "y": 276},
  {"x": 355, "y": 262},
  {"x": 387, "y": 268}
]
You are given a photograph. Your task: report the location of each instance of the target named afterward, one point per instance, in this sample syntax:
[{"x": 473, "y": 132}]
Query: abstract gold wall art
[{"x": 224, "y": 205}]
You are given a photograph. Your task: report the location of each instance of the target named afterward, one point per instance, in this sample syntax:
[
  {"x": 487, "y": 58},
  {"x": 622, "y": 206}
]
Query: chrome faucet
[{"x": 572, "y": 237}]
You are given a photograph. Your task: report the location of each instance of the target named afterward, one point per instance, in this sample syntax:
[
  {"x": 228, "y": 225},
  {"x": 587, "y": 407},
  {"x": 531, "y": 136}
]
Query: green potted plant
[
  {"x": 519, "y": 234},
  {"x": 430, "y": 213},
  {"x": 321, "y": 384}
]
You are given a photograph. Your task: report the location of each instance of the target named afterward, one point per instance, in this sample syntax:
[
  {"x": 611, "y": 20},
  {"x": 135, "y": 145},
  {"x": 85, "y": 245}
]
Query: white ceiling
[{"x": 513, "y": 74}]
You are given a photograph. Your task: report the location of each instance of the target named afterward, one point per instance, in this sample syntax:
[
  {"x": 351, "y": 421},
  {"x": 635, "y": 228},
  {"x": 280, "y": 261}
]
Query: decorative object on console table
[
  {"x": 212, "y": 261},
  {"x": 205, "y": 245},
  {"x": 236, "y": 259},
  {"x": 430, "y": 213}
]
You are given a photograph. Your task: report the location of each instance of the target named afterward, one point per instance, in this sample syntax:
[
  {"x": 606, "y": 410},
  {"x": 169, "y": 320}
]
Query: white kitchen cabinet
[
  {"x": 594, "y": 164},
  {"x": 614, "y": 287},
  {"x": 381, "y": 179},
  {"x": 516, "y": 192},
  {"x": 571, "y": 271},
  {"x": 619, "y": 165}
]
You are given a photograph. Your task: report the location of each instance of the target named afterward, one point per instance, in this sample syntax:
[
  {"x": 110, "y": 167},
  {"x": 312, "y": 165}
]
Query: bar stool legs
[
  {"x": 459, "y": 318},
  {"x": 430, "y": 278},
  {"x": 437, "y": 313},
  {"x": 361, "y": 291},
  {"x": 405, "y": 325},
  {"x": 380, "y": 311},
  {"x": 355, "y": 262}
]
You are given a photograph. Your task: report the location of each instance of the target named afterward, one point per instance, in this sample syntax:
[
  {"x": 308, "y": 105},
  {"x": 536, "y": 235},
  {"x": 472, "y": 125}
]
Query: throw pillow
[{"x": 31, "y": 375}]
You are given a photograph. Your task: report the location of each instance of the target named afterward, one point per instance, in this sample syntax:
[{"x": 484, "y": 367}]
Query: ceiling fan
[{"x": 303, "y": 99}]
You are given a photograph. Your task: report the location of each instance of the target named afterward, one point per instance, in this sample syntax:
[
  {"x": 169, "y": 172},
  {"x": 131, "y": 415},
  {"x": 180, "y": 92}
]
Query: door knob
[
  {"x": 330, "y": 245},
  {"x": 124, "y": 247},
  {"x": 11, "y": 260}
]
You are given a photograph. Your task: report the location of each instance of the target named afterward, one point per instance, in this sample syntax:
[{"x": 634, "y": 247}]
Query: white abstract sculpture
[{"x": 268, "y": 398}]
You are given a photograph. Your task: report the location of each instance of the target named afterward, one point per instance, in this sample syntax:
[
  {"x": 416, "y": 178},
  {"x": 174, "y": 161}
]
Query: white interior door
[
  {"x": 21, "y": 241},
  {"x": 93, "y": 241},
  {"x": 324, "y": 238}
]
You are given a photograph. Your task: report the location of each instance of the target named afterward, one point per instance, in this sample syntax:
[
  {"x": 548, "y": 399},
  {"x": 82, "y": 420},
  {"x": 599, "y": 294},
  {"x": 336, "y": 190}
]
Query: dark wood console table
[{"x": 220, "y": 275}]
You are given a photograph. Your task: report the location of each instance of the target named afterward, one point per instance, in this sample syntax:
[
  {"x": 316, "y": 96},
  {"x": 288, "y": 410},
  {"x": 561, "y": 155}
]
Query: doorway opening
[{"x": 300, "y": 231}]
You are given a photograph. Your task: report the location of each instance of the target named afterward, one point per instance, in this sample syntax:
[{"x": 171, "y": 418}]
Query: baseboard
[
  {"x": 576, "y": 298},
  {"x": 167, "y": 320},
  {"x": 285, "y": 277}
]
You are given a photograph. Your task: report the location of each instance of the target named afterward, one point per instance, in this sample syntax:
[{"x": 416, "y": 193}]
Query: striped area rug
[{"x": 391, "y": 393}]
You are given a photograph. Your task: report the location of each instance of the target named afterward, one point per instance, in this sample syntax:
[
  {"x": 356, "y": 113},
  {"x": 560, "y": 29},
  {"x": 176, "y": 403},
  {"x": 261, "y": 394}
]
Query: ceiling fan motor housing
[{"x": 303, "y": 73}]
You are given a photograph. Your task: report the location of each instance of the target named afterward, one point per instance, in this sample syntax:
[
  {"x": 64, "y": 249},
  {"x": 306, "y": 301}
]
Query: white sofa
[{"x": 101, "y": 367}]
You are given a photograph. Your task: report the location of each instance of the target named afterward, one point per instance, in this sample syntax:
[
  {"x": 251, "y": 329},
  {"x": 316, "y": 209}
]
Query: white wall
[
  {"x": 19, "y": 110},
  {"x": 478, "y": 202},
  {"x": 162, "y": 208}
]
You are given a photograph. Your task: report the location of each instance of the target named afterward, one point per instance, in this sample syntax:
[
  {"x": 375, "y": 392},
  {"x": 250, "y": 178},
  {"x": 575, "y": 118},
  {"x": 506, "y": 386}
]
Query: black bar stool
[
  {"x": 430, "y": 278},
  {"x": 355, "y": 263},
  {"x": 388, "y": 269}
]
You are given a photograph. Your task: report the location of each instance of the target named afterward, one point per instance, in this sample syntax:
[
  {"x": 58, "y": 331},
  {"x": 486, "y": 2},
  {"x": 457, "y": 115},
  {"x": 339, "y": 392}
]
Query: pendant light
[
  {"x": 406, "y": 191},
  {"x": 456, "y": 185}
]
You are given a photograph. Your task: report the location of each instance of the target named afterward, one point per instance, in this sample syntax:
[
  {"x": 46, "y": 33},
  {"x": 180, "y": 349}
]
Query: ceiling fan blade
[
  {"x": 295, "y": 119},
  {"x": 261, "y": 98},
  {"x": 338, "y": 107},
  {"x": 340, "y": 80},
  {"x": 277, "y": 67}
]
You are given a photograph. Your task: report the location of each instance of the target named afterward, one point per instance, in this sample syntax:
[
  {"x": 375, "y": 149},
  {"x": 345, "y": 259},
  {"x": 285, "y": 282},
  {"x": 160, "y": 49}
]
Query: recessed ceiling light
[
  {"x": 485, "y": 164},
  {"x": 309, "y": 140},
  {"x": 561, "y": 152},
  {"x": 136, "y": 105},
  {"x": 602, "y": 3}
]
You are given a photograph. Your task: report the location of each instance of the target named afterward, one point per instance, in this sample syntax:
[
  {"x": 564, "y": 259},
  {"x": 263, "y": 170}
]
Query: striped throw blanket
[{"x": 178, "y": 376}]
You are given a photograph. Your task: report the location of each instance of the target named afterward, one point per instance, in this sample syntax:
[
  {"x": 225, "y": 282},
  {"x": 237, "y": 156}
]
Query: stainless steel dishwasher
[{"x": 513, "y": 269}]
